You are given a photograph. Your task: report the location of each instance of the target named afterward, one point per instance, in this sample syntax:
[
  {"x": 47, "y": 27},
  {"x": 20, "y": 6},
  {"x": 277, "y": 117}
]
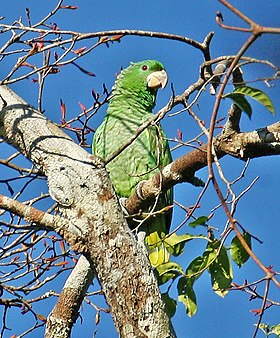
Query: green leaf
[
  {"x": 197, "y": 267},
  {"x": 275, "y": 329},
  {"x": 269, "y": 330},
  {"x": 170, "y": 304},
  {"x": 257, "y": 95},
  {"x": 186, "y": 295},
  {"x": 199, "y": 221},
  {"x": 240, "y": 101},
  {"x": 168, "y": 271},
  {"x": 175, "y": 243},
  {"x": 253, "y": 93},
  {"x": 220, "y": 269},
  {"x": 201, "y": 263},
  {"x": 237, "y": 251}
]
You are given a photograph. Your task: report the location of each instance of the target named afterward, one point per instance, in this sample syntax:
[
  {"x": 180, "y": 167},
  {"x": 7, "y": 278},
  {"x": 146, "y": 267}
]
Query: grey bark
[{"x": 97, "y": 227}]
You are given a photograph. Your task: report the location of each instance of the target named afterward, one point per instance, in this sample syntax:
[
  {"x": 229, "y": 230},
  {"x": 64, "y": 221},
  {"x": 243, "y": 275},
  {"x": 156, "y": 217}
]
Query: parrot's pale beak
[{"x": 157, "y": 79}]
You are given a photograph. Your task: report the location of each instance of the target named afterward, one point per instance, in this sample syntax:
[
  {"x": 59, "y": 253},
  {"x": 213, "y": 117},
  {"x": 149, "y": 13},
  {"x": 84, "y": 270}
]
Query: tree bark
[
  {"x": 65, "y": 312},
  {"x": 97, "y": 227}
]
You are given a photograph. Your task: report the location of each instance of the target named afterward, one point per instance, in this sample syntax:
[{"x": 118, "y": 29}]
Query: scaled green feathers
[{"x": 133, "y": 98}]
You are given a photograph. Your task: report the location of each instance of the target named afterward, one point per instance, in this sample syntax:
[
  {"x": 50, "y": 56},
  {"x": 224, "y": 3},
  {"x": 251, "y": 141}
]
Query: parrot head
[{"x": 141, "y": 79}]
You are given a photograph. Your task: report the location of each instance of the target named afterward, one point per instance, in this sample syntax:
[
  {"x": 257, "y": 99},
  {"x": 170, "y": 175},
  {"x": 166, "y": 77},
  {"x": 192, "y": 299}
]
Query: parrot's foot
[
  {"x": 139, "y": 190},
  {"x": 122, "y": 204}
]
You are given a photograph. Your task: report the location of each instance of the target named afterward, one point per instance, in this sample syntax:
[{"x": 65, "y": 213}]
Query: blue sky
[{"x": 258, "y": 210}]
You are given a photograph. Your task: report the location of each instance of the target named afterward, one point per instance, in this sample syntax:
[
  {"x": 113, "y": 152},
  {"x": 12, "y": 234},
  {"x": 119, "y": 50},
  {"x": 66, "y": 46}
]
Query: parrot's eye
[{"x": 144, "y": 67}]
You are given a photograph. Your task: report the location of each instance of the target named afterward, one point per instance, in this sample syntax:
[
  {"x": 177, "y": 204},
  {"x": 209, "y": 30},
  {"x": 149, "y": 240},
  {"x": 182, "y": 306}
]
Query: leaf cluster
[{"x": 215, "y": 260}]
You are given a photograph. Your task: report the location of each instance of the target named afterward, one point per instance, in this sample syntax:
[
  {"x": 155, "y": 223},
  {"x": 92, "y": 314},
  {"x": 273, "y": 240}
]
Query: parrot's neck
[{"x": 139, "y": 101}]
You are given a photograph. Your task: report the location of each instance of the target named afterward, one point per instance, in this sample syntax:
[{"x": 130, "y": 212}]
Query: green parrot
[{"x": 133, "y": 98}]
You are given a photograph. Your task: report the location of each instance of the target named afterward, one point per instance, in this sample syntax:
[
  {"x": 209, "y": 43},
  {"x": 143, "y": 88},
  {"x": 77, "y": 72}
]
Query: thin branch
[
  {"x": 262, "y": 308},
  {"x": 254, "y": 27}
]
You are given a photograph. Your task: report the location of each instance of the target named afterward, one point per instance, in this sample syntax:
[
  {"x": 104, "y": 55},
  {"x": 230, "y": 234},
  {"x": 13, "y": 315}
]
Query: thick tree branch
[
  {"x": 66, "y": 310},
  {"x": 30, "y": 214},
  {"x": 258, "y": 143},
  {"x": 86, "y": 198}
]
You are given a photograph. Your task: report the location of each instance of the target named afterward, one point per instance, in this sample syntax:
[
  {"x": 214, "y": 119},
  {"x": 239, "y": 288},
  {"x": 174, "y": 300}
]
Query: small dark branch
[
  {"x": 206, "y": 44},
  {"x": 251, "y": 289},
  {"x": 4, "y": 319},
  {"x": 237, "y": 77},
  {"x": 11, "y": 302},
  {"x": 262, "y": 308},
  {"x": 234, "y": 113},
  {"x": 207, "y": 74}
]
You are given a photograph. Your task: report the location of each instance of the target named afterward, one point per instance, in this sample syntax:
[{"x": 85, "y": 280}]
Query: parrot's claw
[
  {"x": 122, "y": 201},
  {"x": 139, "y": 189}
]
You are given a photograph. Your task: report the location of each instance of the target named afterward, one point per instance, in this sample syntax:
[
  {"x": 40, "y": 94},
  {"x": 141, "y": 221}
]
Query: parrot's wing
[{"x": 158, "y": 226}]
